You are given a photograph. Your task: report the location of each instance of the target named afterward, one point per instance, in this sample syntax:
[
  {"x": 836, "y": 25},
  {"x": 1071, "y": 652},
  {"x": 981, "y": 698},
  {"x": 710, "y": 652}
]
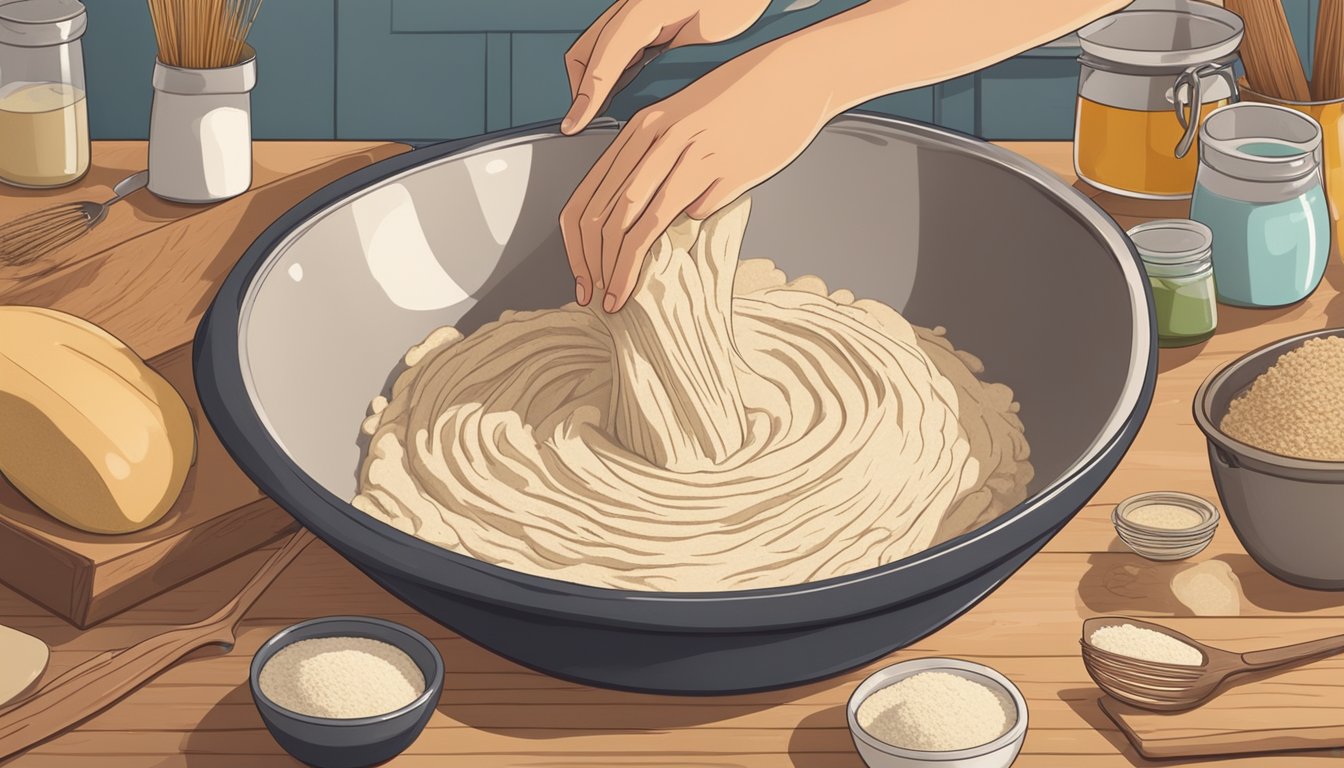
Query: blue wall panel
[{"x": 405, "y": 85}]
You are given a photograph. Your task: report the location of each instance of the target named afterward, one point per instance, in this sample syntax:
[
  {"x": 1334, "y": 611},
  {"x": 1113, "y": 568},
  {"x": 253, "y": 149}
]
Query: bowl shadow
[{"x": 814, "y": 739}]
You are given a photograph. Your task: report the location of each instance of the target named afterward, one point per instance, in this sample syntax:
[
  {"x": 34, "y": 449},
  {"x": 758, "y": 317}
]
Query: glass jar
[
  {"x": 1177, "y": 254},
  {"x": 1149, "y": 74},
  {"x": 44, "y": 118},
  {"x": 1259, "y": 190}
]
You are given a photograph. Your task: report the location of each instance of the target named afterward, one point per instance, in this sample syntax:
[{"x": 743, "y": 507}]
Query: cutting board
[
  {"x": 1300, "y": 708},
  {"x": 86, "y": 577}
]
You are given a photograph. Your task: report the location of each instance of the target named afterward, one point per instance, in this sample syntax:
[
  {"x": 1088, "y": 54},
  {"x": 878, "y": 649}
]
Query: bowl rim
[
  {"x": 894, "y": 673},
  {"x": 1264, "y": 461},
  {"x": 1206, "y": 509},
  {"x": 228, "y": 407},
  {"x": 285, "y": 638}
]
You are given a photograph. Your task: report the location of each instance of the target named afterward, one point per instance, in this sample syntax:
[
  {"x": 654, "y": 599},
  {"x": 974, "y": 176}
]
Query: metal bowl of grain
[
  {"x": 1021, "y": 269},
  {"x": 1285, "y": 510}
]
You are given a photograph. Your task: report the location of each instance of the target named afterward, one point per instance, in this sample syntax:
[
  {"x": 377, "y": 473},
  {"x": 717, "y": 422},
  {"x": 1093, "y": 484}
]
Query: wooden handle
[
  {"x": 1289, "y": 654},
  {"x": 1327, "y": 73},
  {"x": 89, "y": 688},
  {"x": 92, "y": 686},
  {"x": 1268, "y": 51}
]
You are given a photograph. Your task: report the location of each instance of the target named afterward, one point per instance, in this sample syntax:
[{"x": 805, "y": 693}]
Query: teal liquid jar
[
  {"x": 1259, "y": 190},
  {"x": 1177, "y": 256}
]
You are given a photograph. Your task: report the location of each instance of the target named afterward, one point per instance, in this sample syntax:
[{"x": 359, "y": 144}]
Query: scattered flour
[
  {"x": 937, "y": 712},
  {"x": 1146, "y": 644},
  {"x": 341, "y": 677},
  {"x": 1296, "y": 408},
  {"x": 1208, "y": 589}
]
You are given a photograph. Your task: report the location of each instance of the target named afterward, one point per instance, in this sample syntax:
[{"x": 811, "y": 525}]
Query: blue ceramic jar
[{"x": 1259, "y": 189}]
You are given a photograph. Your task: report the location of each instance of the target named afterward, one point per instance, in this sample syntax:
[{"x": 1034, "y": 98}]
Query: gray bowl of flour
[{"x": 346, "y": 691}]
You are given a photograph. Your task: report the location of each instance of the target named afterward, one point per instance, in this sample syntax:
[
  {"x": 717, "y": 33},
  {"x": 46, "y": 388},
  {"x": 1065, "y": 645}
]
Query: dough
[{"x": 726, "y": 430}]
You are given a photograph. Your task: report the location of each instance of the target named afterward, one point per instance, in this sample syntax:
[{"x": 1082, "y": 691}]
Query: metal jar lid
[
  {"x": 1173, "y": 244},
  {"x": 1227, "y": 131},
  {"x": 41, "y": 23},
  {"x": 1163, "y": 33}
]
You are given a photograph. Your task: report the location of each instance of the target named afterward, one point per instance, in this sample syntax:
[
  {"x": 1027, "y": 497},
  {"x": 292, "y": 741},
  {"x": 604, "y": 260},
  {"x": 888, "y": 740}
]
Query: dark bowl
[
  {"x": 326, "y": 742},
  {"x": 1023, "y": 271},
  {"x": 1286, "y": 511}
]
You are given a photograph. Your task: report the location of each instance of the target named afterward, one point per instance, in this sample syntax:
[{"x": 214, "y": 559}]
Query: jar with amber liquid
[{"x": 1149, "y": 76}]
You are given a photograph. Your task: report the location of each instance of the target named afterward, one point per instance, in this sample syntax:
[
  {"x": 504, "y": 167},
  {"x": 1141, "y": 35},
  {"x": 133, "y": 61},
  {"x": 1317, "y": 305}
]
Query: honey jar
[{"x": 1149, "y": 75}]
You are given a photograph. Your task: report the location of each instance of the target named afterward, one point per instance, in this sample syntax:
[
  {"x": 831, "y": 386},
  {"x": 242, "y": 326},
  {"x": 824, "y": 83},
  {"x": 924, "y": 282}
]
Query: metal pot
[{"x": 1288, "y": 513}]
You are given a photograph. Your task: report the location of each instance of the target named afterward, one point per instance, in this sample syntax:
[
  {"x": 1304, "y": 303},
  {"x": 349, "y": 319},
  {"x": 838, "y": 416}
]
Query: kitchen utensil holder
[{"x": 200, "y": 131}]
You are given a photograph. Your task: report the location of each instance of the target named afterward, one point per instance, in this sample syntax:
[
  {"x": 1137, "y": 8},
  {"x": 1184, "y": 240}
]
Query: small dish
[
  {"x": 326, "y": 742},
  {"x": 1166, "y": 544},
  {"x": 999, "y": 753}
]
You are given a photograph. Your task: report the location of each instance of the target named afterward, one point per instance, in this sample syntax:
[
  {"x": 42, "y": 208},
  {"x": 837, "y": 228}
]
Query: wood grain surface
[{"x": 494, "y": 713}]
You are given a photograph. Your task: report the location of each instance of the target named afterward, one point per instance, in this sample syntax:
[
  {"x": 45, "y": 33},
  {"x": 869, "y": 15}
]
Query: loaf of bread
[{"x": 88, "y": 432}]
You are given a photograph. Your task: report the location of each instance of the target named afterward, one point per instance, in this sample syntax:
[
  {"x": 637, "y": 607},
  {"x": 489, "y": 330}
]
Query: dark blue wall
[{"x": 431, "y": 69}]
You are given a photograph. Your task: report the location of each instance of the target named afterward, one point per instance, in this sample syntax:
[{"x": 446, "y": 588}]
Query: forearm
[{"x": 885, "y": 46}]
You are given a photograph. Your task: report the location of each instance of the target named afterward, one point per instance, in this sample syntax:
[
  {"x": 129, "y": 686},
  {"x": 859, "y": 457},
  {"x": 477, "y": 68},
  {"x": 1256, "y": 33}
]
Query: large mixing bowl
[{"x": 1021, "y": 270}]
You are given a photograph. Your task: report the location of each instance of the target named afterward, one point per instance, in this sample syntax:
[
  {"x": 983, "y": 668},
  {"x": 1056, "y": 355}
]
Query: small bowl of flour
[
  {"x": 937, "y": 712},
  {"x": 346, "y": 691}
]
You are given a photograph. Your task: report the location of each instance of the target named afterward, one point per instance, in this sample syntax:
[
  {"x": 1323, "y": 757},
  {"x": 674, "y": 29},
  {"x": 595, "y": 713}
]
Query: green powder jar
[{"x": 1178, "y": 257}]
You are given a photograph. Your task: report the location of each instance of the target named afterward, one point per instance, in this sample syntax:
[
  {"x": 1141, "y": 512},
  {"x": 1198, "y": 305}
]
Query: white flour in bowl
[
  {"x": 341, "y": 677},
  {"x": 937, "y": 712}
]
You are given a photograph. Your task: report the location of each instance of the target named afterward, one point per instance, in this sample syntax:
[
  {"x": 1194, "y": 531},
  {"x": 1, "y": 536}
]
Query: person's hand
[
  {"x": 693, "y": 152},
  {"x": 621, "y": 34}
]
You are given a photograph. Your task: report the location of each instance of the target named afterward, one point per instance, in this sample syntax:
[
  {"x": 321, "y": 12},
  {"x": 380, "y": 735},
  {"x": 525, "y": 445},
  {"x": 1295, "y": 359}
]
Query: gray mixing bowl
[
  {"x": 1022, "y": 270},
  {"x": 1288, "y": 513}
]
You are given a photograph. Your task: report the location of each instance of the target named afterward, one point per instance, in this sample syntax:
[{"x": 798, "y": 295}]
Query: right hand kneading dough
[{"x": 726, "y": 430}]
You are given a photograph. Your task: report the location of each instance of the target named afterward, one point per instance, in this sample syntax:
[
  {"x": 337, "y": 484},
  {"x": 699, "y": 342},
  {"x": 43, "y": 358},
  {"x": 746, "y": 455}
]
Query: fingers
[
  {"x": 585, "y": 259},
  {"x": 592, "y": 223},
  {"x": 632, "y": 195},
  {"x": 620, "y": 41},
  {"x": 576, "y": 58},
  {"x": 682, "y": 186}
]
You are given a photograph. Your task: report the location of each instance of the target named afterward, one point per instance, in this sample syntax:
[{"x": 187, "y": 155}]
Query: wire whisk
[{"x": 34, "y": 235}]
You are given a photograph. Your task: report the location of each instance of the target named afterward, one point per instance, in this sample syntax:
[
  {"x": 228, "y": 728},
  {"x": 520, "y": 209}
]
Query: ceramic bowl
[
  {"x": 326, "y": 742},
  {"x": 999, "y": 753},
  {"x": 1164, "y": 543}
]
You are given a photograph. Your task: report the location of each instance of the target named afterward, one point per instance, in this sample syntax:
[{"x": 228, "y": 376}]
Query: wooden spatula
[
  {"x": 94, "y": 685},
  {"x": 1268, "y": 52}
]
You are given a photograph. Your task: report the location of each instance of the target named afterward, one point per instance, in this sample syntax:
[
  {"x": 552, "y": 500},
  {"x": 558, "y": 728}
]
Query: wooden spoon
[
  {"x": 94, "y": 685},
  {"x": 1175, "y": 687}
]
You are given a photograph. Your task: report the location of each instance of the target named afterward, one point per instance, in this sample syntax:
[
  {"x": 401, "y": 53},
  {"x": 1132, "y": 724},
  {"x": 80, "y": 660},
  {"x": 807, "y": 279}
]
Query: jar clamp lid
[
  {"x": 41, "y": 23},
  {"x": 1163, "y": 33}
]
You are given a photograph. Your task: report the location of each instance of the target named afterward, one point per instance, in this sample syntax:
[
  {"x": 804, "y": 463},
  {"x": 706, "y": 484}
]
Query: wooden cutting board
[
  {"x": 88, "y": 577},
  {"x": 1301, "y": 708}
]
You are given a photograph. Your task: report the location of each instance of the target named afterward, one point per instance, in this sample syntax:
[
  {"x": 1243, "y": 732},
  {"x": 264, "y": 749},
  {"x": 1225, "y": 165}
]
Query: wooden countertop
[{"x": 149, "y": 272}]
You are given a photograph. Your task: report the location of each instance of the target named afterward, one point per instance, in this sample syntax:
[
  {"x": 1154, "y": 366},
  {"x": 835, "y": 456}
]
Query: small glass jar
[
  {"x": 1148, "y": 75},
  {"x": 44, "y": 117},
  {"x": 1177, "y": 254},
  {"x": 1259, "y": 190}
]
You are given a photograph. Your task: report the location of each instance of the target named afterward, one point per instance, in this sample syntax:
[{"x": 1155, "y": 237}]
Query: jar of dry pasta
[{"x": 1149, "y": 75}]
